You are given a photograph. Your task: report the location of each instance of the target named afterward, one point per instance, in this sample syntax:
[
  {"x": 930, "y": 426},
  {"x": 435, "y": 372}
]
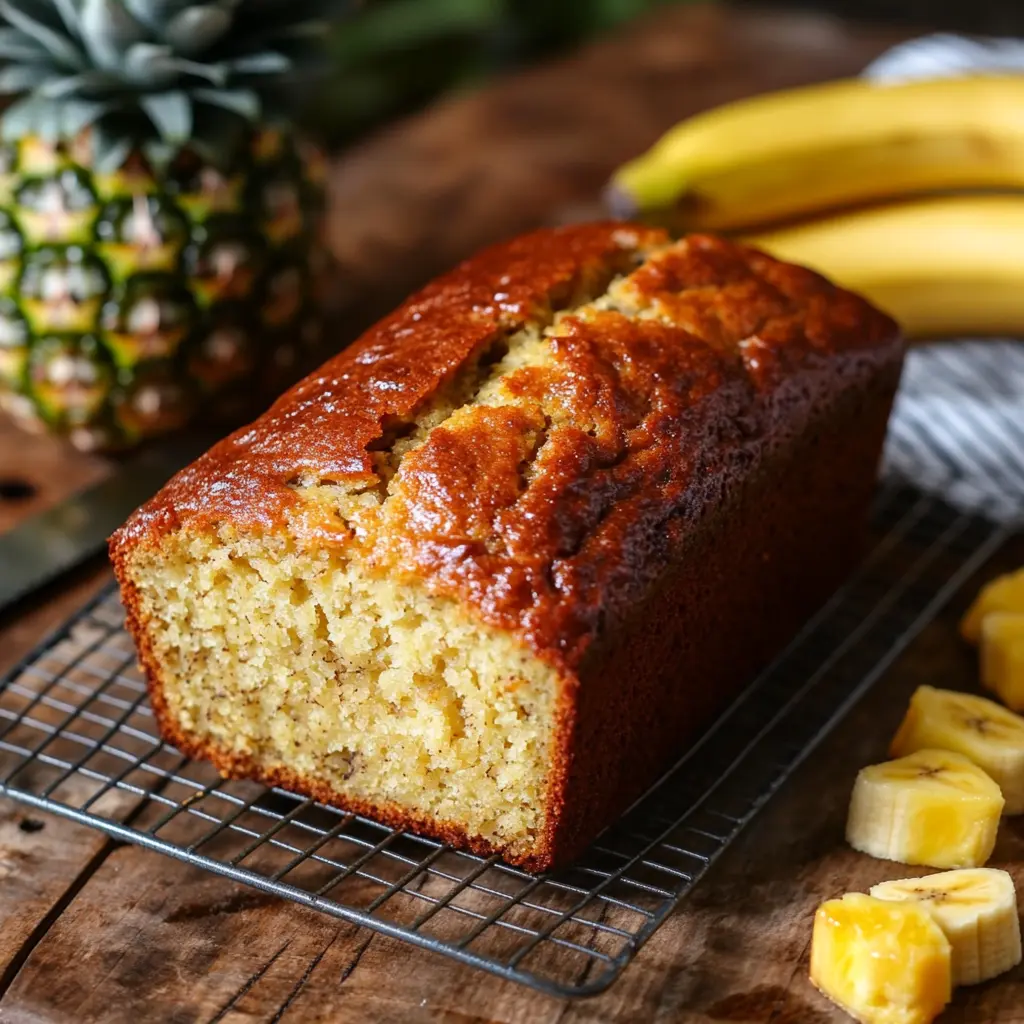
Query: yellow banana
[
  {"x": 1002, "y": 657},
  {"x": 933, "y": 807},
  {"x": 800, "y": 151},
  {"x": 976, "y": 908},
  {"x": 882, "y": 961},
  {"x": 1003, "y": 594},
  {"x": 973, "y": 727},
  {"x": 942, "y": 266}
]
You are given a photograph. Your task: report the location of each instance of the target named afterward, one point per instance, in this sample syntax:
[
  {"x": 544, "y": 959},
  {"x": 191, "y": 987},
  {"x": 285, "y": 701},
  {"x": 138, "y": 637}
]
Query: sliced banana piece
[
  {"x": 977, "y": 910},
  {"x": 991, "y": 736},
  {"x": 1002, "y": 657},
  {"x": 1003, "y": 594},
  {"x": 934, "y": 807},
  {"x": 883, "y": 962}
]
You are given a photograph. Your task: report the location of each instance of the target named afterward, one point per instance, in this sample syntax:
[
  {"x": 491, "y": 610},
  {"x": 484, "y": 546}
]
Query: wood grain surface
[{"x": 93, "y": 931}]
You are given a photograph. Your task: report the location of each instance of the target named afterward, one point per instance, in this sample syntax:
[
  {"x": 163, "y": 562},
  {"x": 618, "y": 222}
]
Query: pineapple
[{"x": 160, "y": 245}]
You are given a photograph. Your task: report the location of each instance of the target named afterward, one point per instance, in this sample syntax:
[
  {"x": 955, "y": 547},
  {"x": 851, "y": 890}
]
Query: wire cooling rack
[{"x": 77, "y": 738}]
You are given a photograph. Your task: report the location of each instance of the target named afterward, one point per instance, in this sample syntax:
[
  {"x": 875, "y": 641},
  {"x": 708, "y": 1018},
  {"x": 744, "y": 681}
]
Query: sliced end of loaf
[{"x": 303, "y": 668}]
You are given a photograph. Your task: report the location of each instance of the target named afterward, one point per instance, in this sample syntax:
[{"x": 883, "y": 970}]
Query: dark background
[
  {"x": 391, "y": 57},
  {"x": 996, "y": 17}
]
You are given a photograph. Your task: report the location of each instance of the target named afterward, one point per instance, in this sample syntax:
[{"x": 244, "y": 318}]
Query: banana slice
[
  {"x": 976, "y": 908},
  {"x": 933, "y": 807},
  {"x": 1004, "y": 594},
  {"x": 1002, "y": 657},
  {"x": 883, "y": 962},
  {"x": 991, "y": 736}
]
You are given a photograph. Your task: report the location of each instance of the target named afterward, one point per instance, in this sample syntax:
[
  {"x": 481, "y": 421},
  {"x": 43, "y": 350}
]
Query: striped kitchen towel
[
  {"x": 941, "y": 55},
  {"x": 958, "y": 425}
]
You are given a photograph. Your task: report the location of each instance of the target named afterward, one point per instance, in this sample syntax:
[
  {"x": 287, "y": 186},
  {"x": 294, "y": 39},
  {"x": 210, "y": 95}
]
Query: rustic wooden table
[{"x": 95, "y": 931}]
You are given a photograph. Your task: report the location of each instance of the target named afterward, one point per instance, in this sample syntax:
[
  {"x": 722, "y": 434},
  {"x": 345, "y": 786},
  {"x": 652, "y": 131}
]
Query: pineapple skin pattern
[
  {"x": 134, "y": 303},
  {"x": 161, "y": 254}
]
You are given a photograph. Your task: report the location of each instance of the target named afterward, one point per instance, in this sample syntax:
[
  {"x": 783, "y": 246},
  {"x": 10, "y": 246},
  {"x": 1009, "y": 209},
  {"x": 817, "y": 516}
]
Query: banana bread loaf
[{"x": 485, "y": 572}]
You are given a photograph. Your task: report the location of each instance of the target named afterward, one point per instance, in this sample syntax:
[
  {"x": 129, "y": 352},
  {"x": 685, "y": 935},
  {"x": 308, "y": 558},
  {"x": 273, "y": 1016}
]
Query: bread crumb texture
[{"x": 295, "y": 658}]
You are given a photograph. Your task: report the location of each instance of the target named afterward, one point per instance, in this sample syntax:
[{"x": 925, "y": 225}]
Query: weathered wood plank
[
  {"x": 36, "y": 472},
  {"x": 42, "y": 859}
]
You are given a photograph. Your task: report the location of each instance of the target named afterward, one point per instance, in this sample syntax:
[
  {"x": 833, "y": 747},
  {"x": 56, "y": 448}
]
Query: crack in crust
[{"x": 654, "y": 372}]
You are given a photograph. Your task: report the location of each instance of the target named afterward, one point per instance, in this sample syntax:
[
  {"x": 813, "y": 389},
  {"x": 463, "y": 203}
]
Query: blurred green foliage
[{"x": 392, "y": 56}]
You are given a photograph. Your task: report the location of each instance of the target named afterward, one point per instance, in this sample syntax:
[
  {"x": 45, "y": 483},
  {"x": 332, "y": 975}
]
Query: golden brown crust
[
  {"x": 326, "y": 422},
  {"x": 654, "y": 404},
  {"x": 746, "y": 581},
  {"x": 650, "y": 434}
]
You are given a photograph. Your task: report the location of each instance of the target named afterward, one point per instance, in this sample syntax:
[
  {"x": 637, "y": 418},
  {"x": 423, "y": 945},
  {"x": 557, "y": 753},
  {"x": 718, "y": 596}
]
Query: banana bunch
[
  {"x": 941, "y": 266},
  {"x": 944, "y": 157}
]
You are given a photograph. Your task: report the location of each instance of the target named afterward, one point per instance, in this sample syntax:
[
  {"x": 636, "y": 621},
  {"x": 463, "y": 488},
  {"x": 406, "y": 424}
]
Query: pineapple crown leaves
[{"x": 155, "y": 74}]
